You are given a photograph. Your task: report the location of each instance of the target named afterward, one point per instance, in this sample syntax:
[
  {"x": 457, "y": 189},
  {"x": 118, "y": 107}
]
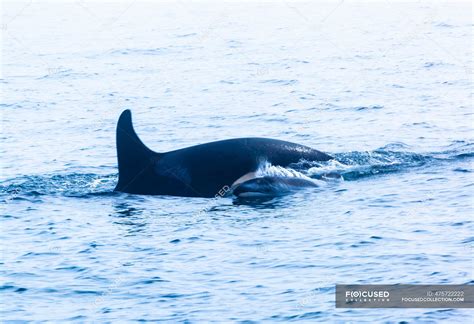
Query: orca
[
  {"x": 204, "y": 170},
  {"x": 271, "y": 186}
]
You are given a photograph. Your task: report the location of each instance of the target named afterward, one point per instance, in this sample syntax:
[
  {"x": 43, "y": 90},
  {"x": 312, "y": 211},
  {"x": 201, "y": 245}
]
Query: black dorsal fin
[{"x": 133, "y": 156}]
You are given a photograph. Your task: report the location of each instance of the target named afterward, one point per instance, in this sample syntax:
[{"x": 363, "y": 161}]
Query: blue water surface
[{"x": 386, "y": 88}]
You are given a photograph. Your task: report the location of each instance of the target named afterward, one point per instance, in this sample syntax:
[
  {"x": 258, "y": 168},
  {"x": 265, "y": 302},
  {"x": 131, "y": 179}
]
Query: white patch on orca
[{"x": 245, "y": 177}]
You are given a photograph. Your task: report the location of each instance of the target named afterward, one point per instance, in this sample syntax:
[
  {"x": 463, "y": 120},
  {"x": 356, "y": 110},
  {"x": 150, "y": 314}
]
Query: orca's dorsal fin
[{"x": 133, "y": 156}]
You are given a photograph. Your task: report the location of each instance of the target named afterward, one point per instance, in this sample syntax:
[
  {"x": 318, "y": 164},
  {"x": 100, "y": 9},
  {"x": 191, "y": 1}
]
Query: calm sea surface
[{"x": 385, "y": 88}]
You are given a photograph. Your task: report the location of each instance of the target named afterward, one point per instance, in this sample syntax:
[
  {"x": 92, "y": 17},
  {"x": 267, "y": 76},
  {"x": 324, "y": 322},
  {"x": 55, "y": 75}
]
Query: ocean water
[{"x": 386, "y": 88}]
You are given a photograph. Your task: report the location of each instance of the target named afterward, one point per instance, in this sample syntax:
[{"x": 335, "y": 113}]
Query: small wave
[
  {"x": 60, "y": 73},
  {"x": 393, "y": 157},
  {"x": 72, "y": 185},
  {"x": 186, "y": 35},
  {"x": 457, "y": 150},
  {"x": 149, "y": 51},
  {"x": 280, "y": 82},
  {"x": 443, "y": 24},
  {"x": 139, "y": 51},
  {"x": 356, "y": 165},
  {"x": 374, "y": 107},
  {"x": 435, "y": 64},
  {"x": 354, "y": 108}
]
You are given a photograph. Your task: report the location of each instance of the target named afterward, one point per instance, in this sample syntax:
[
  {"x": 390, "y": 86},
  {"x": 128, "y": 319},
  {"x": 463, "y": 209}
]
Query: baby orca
[{"x": 271, "y": 186}]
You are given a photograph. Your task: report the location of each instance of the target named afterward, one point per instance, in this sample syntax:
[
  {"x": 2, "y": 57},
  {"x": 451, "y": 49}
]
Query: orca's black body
[{"x": 197, "y": 171}]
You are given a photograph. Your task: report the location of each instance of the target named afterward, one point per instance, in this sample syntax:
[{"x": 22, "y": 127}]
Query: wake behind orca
[{"x": 202, "y": 170}]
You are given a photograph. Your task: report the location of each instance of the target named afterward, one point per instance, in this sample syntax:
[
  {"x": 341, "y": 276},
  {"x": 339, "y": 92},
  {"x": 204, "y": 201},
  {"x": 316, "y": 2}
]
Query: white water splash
[
  {"x": 266, "y": 169},
  {"x": 332, "y": 169}
]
